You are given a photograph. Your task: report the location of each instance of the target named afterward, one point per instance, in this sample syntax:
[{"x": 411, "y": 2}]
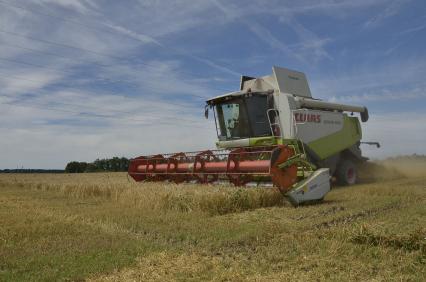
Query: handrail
[{"x": 271, "y": 124}]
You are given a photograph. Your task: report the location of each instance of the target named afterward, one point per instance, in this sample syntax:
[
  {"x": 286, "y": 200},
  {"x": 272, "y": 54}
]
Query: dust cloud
[{"x": 393, "y": 168}]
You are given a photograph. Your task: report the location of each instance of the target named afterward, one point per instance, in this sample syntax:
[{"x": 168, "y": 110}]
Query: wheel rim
[{"x": 350, "y": 175}]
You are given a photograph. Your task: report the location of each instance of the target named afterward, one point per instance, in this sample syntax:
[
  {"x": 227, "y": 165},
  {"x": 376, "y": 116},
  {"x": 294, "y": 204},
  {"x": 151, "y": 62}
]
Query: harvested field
[{"x": 104, "y": 227}]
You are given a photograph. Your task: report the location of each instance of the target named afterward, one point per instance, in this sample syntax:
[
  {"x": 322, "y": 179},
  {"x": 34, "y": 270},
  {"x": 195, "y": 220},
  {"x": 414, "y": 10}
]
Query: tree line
[
  {"x": 413, "y": 157},
  {"x": 30, "y": 170},
  {"x": 99, "y": 165}
]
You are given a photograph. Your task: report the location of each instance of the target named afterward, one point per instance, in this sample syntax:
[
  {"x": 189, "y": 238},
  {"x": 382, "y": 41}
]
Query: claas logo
[{"x": 303, "y": 117}]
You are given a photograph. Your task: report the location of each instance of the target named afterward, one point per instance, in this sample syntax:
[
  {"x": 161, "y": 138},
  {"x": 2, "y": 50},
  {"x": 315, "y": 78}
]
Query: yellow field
[{"x": 105, "y": 227}]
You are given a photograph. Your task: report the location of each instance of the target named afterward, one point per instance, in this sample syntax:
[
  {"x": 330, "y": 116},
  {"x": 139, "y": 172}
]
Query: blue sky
[{"x": 87, "y": 79}]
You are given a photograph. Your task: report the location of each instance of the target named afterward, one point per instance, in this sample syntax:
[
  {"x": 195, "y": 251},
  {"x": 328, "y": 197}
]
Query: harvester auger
[{"x": 272, "y": 130}]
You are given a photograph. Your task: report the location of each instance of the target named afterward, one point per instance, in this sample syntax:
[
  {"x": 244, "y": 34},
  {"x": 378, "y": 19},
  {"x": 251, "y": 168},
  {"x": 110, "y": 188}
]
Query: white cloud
[
  {"x": 76, "y": 113},
  {"x": 53, "y": 148},
  {"x": 21, "y": 82},
  {"x": 53, "y": 145},
  {"x": 54, "y": 128}
]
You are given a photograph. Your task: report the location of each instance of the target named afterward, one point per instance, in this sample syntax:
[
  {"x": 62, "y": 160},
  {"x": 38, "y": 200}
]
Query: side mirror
[
  {"x": 364, "y": 115},
  {"x": 206, "y": 111}
]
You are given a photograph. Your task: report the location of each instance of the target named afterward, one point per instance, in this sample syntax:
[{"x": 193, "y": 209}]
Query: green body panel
[
  {"x": 249, "y": 142},
  {"x": 324, "y": 147},
  {"x": 332, "y": 144},
  {"x": 265, "y": 141},
  {"x": 255, "y": 141}
]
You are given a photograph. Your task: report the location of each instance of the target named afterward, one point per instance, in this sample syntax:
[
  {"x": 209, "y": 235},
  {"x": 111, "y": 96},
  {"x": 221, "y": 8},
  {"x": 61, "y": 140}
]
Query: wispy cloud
[
  {"x": 80, "y": 6},
  {"x": 383, "y": 95},
  {"x": 394, "y": 74},
  {"x": 262, "y": 33},
  {"x": 184, "y": 16},
  {"x": 135, "y": 35},
  {"x": 311, "y": 45},
  {"x": 25, "y": 81},
  {"x": 114, "y": 125},
  {"x": 389, "y": 11},
  {"x": 267, "y": 37},
  {"x": 413, "y": 29},
  {"x": 331, "y": 8}
]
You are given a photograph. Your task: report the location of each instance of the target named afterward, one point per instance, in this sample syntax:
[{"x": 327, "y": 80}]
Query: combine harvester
[{"x": 272, "y": 130}]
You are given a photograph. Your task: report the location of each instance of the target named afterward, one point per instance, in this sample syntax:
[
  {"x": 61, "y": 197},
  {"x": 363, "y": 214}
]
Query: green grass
[{"x": 103, "y": 227}]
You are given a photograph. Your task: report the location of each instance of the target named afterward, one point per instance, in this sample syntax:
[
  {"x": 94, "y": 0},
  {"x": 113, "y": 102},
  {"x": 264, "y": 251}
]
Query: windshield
[{"x": 243, "y": 118}]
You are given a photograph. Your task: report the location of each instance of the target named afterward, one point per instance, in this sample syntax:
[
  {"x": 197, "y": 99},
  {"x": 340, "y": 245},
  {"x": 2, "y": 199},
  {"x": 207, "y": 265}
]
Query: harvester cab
[{"x": 271, "y": 130}]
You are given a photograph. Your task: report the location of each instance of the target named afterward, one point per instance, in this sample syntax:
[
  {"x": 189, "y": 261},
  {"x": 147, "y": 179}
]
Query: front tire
[{"x": 347, "y": 173}]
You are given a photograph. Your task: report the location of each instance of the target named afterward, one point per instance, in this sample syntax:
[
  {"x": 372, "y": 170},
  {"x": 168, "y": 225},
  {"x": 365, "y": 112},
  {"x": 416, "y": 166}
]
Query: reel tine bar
[{"x": 238, "y": 166}]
